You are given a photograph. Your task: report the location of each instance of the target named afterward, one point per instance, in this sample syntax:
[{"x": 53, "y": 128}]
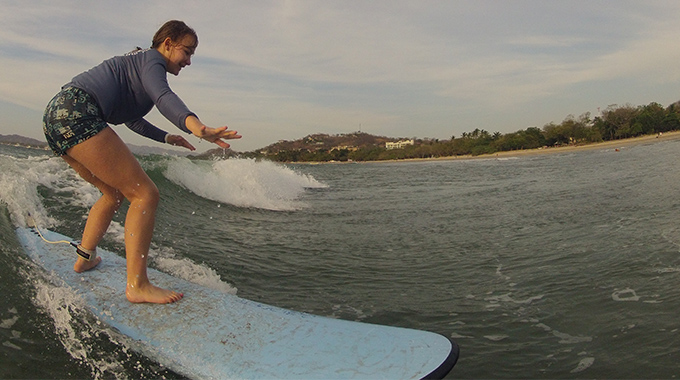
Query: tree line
[{"x": 615, "y": 122}]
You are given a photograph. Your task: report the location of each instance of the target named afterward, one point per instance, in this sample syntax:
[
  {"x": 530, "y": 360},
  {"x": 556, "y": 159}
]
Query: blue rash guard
[{"x": 127, "y": 87}]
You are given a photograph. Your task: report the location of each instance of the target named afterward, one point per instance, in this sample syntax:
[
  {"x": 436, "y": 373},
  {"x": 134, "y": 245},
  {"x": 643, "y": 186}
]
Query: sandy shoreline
[{"x": 616, "y": 144}]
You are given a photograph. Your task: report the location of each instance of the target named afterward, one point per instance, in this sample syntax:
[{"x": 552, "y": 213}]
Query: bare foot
[
  {"x": 151, "y": 294},
  {"x": 83, "y": 265}
]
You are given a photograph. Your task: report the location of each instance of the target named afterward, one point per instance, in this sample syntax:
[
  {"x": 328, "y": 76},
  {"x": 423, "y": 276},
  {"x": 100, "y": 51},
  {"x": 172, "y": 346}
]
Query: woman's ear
[{"x": 167, "y": 43}]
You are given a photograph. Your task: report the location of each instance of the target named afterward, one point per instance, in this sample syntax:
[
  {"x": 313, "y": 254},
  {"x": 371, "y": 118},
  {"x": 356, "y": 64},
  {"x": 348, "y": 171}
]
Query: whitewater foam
[
  {"x": 625, "y": 295},
  {"x": 19, "y": 179},
  {"x": 187, "y": 270},
  {"x": 242, "y": 182},
  {"x": 75, "y": 329},
  {"x": 19, "y": 182},
  {"x": 584, "y": 364}
]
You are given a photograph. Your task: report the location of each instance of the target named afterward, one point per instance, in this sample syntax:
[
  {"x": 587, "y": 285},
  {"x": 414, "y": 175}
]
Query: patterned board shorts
[{"x": 71, "y": 117}]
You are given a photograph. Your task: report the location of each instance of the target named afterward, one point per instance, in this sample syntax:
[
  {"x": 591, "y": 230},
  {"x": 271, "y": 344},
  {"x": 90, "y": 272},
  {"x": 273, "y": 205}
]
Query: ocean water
[{"x": 547, "y": 267}]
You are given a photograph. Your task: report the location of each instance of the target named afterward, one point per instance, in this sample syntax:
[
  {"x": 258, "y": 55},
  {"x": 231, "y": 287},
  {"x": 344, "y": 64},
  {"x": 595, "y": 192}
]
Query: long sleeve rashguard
[{"x": 127, "y": 87}]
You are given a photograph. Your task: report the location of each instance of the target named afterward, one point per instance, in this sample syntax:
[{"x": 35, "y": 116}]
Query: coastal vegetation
[{"x": 615, "y": 122}]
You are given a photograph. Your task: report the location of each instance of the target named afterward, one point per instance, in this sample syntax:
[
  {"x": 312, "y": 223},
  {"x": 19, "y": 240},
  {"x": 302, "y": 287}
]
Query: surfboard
[{"x": 210, "y": 334}]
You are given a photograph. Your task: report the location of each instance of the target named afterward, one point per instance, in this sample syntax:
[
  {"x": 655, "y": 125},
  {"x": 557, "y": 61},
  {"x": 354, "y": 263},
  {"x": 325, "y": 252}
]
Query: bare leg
[
  {"x": 108, "y": 159},
  {"x": 100, "y": 216}
]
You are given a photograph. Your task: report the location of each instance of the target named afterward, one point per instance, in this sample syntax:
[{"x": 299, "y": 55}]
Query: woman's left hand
[
  {"x": 178, "y": 140},
  {"x": 217, "y": 135},
  {"x": 214, "y": 135}
]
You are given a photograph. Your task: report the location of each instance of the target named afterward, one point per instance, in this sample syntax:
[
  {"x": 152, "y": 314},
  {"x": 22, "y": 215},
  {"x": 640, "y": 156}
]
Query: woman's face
[{"x": 178, "y": 53}]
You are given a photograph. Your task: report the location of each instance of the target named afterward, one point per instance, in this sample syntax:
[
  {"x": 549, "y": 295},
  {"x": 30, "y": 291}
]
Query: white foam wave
[
  {"x": 460, "y": 336},
  {"x": 9, "y": 323},
  {"x": 627, "y": 295},
  {"x": 19, "y": 182},
  {"x": 166, "y": 260},
  {"x": 668, "y": 270},
  {"x": 506, "y": 298},
  {"x": 564, "y": 338},
  {"x": 496, "y": 338},
  {"x": 186, "y": 269},
  {"x": 584, "y": 364},
  {"x": 242, "y": 182},
  {"x": 76, "y": 331},
  {"x": 340, "y": 311}
]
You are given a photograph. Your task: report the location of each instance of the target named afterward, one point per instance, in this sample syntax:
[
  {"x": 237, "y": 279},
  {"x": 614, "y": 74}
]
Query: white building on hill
[{"x": 398, "y": 144}]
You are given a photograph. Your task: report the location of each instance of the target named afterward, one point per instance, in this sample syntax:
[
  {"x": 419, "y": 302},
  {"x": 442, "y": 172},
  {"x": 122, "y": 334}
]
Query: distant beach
[{"x": 615, "y": 144}]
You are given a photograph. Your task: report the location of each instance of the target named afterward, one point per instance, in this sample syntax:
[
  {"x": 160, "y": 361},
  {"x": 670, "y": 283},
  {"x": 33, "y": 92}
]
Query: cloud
[{"x": 284, "y": 69}]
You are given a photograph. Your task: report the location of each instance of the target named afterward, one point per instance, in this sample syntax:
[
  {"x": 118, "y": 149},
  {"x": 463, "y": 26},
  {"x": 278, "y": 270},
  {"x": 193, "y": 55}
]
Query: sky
[{"x": 282, "y": 70}]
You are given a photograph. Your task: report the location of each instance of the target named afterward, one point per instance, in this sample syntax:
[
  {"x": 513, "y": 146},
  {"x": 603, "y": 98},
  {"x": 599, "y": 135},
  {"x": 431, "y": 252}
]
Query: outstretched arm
[
  {"x": 214, "y": 135},
  {"x": 149, "y": 130},
  {"x": 146, "y": 129}
]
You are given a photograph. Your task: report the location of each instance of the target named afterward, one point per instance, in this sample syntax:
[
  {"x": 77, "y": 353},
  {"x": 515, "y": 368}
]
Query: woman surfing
[{"x": 122, "y": 90}]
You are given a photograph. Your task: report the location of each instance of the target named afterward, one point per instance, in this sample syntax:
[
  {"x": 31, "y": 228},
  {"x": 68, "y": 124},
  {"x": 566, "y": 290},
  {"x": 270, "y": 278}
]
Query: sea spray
[
  {"x": 82, "y": 336},
  {"x": 242, "y": 182},
  {"x": 103, "y": 351},
  {"x": 20, "y": 179},
  {"x": 186, "y": 269}
]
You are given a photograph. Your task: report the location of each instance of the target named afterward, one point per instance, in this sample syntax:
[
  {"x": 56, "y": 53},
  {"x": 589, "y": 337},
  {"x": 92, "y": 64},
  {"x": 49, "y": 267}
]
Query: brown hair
[{"x": 176, "y": 30}]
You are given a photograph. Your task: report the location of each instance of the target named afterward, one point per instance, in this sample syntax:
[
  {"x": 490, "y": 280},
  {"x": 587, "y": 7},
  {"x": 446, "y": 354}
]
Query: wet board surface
[{"x": 210, "y": 334}]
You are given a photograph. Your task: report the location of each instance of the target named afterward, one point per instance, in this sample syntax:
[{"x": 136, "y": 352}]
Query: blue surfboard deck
[{"x": 209, "y": 334}]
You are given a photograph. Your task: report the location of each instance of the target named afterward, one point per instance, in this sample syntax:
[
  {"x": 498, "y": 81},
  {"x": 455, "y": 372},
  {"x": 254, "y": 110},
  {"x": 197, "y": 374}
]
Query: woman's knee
[
  {"x": 145, "y": 192},
  {"x": 113, "y": 199}
]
